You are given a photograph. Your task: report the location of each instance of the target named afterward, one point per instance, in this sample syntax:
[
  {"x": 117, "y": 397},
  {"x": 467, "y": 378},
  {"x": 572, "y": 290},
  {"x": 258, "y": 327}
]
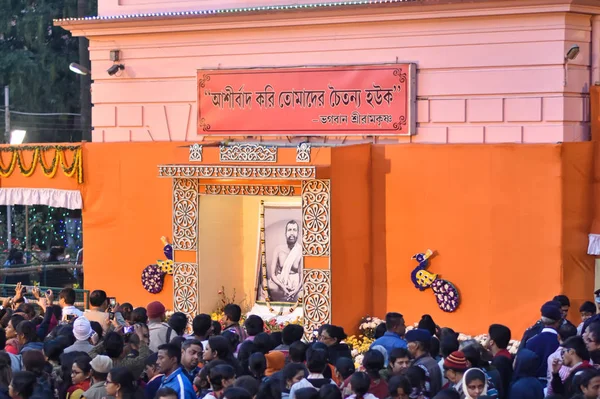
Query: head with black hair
[
  {"x": 113, "y": 345},
  {"x": 11, "y": 328},
  {"x": 332, "y": 335},
  {"x": 236, "y": 393},
  {"x": 22, "y": 385},
  {"x": 380, "y": 330},
  {"x": 316, "y": 361},
  {"x": 121, "y": 380},
  {"x": 66, "y": 297},
  {"x": 233, "y": 314},
  {"x": 257, "y": 364},
  {"x": 447, "y": 394},
  {"x": 270, "y": 389},
  {"x": 473, "y": 354},
  {"x": 499, "y": 337},
  {"x": 592, "y": 336},
  {"x": 254, "y": 325},
  {"x": 276, "y": 339},
  {"x": 565, "y": 304},
  {"x": 297, "y": 352},
  {"x": 232, "y": 337},
  {"x": 373, "y": 362},
  {"x": 191, "y": 353},
  {"x": 166, "y": 393},
  {"x": 262, "y": 343},
  {"x": 587, "y": 310},
  {"x": 169, "y": 357},
  {"x": 344, "y": 368},
  {"x": 27, "y": 332},
  {"x": 394, "y": 322},
  {"x": 566, "y": 331},
  {"x": 201, "y": 325},
  {"x": 589, "y": 383},
  {"x": 217, "y": 348},
  {"x": 330, "y": 391},
  {"x": 417, "y": 377},
  {"x": 434, "y": 347},
  {"x": 360, "y": 384},
  {"x": 178, "y": 322},
  {"x": 248, "y": 383},
  {"x": 221, "y": 377},
  {"x": 427, "y": 323},
  {"x": 399, "y": 387},
  {"x": 99, "y": 299},
  {"x": 138, "y": 315},
  {"x": 574, "y": 351},
  {"x": 5, "y": 369},
  {"x": 292, "y": 333},
  {"x": 307, "y": 393},
  {"x": 216, "y": 328},
  {"x": 399, "y": 360},
  {"x": 54, "y": 348},
  {"x": 291, "y": 374},
  {"x": 150, "y": 367},
  {"x": 81, "y": 369},
  {"x": 35, "y": 362}
]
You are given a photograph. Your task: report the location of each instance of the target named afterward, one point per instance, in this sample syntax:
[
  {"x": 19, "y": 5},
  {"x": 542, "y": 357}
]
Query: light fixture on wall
[
  {"x": 17, "y": 136},
  {"x": 78, "y": 69},
  {"x": 115, "y": 56},
  {"x": 570, "y": 56}
]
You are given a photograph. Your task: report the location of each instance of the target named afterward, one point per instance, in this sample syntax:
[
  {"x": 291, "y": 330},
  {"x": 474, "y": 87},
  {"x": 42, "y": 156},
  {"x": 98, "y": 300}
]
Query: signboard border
[{"x": 411, "y": 103}]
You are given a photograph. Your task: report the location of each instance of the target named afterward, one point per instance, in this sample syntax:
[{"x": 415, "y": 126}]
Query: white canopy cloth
[{"x": 70, "y": 199}]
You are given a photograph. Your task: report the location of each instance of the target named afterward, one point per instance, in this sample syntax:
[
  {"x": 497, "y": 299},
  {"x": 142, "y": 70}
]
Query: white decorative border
[
  {"x": 185, "y": 289},
  {"x": 195, "y": 153},
  {"x": 185, "y": 214},
  {"x": 316, "y": 217},
  {"x": 238, "y": 189},
  {"x": 317, "y": 299},
  {"x": 237, "y": 171},
  {"x": 247, "y": 153},
  {"x": 303, "y": 152}
]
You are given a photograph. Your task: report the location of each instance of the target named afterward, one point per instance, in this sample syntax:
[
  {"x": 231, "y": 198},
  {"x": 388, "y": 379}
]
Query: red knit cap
[
  {"x": 155, "y": 310},
  {"x": 456, "y": 361}
]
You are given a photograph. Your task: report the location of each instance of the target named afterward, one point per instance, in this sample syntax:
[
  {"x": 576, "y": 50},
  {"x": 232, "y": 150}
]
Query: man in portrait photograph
[{"x": 285, "y": 270}]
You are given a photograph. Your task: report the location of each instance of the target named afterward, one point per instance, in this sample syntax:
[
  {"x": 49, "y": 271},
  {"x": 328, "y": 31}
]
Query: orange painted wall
[
  {"x": 494, "y": 214},
  {"x": 509, "y": 223}
]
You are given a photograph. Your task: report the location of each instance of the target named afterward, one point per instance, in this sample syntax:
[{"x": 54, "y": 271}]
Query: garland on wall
[
  {"x": 263, "y": 261},
  {"x": 59, "y": 159}
]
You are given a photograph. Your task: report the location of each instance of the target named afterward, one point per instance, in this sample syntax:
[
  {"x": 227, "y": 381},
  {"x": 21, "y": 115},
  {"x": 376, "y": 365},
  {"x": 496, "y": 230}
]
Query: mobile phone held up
[
  {"x": 111, "y": 316},
  {"x": 112, "y": 302},
  {"x": 71, "y": 317},
  {"x": 128, "y": 329}
]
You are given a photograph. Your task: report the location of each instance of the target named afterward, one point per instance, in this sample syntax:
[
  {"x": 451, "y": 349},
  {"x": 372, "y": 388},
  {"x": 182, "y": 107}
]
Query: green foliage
[{"x": 35, "y": 56}]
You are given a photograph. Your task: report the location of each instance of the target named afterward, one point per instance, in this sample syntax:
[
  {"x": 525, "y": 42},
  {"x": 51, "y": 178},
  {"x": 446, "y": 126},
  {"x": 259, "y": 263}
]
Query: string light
[{"x": 48, "y": 227}]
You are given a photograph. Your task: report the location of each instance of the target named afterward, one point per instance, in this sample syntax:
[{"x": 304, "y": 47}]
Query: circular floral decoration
[{"x": 152, "y": 279}]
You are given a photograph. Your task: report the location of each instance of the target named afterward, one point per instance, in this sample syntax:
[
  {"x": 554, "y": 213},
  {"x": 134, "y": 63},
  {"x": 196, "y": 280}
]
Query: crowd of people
[{"x": 53, "y": 350}]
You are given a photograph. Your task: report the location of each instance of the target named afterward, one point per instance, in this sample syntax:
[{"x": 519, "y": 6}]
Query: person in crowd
[
  {"x": 418, "y": 346},
  {"x": 290, "y": 334},
  {"x": 297, "y": 352},
  {"x": 565, "y": 332},
  {"x": 6, "y": 374},
  {"x": 81, "y": 375},
  {"x": 275, "y": 362},
  {"x": 202, "y": 327},
  {"x": 399, "y": 387},
  {"x": 219, "y": 348},
  {"x": 121, "y": 384},
  {"x": 447, "y": 394},
  {"x": 168, "y": 360},
  {"x": 160, "y": 332},
  {"x": 27, "y": 336},
  {"x": 455, "y": 367},
  {"x": 114, "y": 347},
  {"x": 399, "y": 361},
  {"x": 575, "y": 356},
  {"x": 316, "y": 364},
  {"x": 499, "y": 338},
  {"x": 565, "y": 305},
  {"x": 591, "y": 336},
  {"x": 165, "y": 393},
  {"x": 587, "y": 310},
  {"x": 526, "y": 384},
  {"x": 254, "y": 325},
  {"x": 474, "y": 384},
  {"x": 292, "y": 373},
  {"x": 232, "y": 314},
  {"x": 257, "y": 364},
  {"x": 66, "y": 300},
  {"x": 35, "y": 362},
  {"x": 82, "y": 330},
  {"x": 474, "y": 354},
  {"x": 101, "y": 366},
  {"x": 154, "y": 376},
  {"x": 98, "y": 309},
  {"x": 589, "y": 385},
  {"x": 394, "y": 323},
  {"x": 344, "y": 368},
  {"x": 448, "y": 344},
  {"x": 216, "y": 328},
  {"x": 138, "y": 316},
  {"x": 546, "y": 342},
  {"x": 248, "y": 383},
  {"x": 178, "y": 322},
  {"x": 359, "y": 385},
  {"x": 373, "y": 362},
  {"x": 12, "y": 342},
  {"x": 191, "y": 353},
  {"x": 220, "y": 377},
  {"x": 332, "y": 336},
  {"x": 22, "y": 385},
  {"x": 379, "y": 330},
  {"x": 417, "y": 375}
]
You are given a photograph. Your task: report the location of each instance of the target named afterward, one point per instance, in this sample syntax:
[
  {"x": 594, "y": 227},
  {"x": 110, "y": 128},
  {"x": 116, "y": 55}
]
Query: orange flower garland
[{"x": 39, "y": 152}]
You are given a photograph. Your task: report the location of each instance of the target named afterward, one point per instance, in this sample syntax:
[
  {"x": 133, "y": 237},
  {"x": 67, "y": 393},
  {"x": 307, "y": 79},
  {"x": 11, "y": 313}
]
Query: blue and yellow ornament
[
  {"x": 166, "y": 265},
  {"x": 446, "y": 294}
]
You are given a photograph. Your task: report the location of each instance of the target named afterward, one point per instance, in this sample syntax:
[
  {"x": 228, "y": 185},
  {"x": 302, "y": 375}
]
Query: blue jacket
[
  {"x": 390, "y": 341},
  {"x": 544, "y": 344},
  {"x": 180, "y": 383},
  {"x": 525, "y": 384}
]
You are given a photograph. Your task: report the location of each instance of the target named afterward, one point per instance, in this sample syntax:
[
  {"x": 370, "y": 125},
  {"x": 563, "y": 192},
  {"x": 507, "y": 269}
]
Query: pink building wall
[{"x": 486, "y": 74}]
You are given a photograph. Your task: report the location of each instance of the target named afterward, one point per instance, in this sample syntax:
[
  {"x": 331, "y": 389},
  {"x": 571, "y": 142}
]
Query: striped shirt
[{"x": 563, "y": 372}]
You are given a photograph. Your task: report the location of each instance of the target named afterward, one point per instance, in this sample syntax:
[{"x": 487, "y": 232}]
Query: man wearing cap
[
  {"x": 82, "y": 330},
  {"x": 546, "y": 342},
  {"x": 160, "y": 332},
  {"x": 419, "y": 343},
  {"x": 455, "y": 367},
  {"x": 101, "y": 366}
]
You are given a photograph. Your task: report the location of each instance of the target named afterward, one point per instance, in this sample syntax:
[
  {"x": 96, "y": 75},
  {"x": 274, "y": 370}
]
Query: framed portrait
[{"x": 280, "y": 260}]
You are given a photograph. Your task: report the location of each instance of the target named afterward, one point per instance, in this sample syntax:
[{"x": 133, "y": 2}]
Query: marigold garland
[{"x": 39, "y": 152}]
